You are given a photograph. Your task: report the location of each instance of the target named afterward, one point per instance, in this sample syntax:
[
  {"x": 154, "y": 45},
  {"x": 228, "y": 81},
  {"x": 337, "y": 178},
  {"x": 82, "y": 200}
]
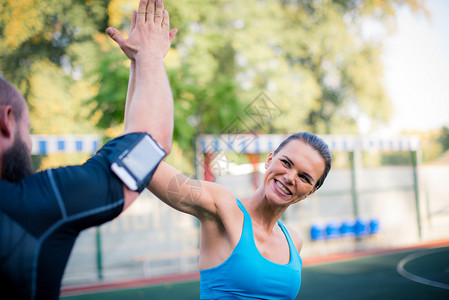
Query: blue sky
[{"x": 416, "y": 63}]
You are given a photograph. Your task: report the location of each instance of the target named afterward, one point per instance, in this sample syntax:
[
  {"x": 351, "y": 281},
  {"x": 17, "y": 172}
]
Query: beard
[{"x": 16, "y": 162}]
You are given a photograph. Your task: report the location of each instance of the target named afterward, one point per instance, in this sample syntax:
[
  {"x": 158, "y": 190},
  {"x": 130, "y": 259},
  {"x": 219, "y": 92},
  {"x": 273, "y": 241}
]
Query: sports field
[{"x": 419, "y": 273}]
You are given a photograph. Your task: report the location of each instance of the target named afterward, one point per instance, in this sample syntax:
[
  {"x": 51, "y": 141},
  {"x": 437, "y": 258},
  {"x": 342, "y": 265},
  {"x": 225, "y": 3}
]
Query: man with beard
[
  {"x": 16, "y": 162},
  {"x": 42, "y": 214}
]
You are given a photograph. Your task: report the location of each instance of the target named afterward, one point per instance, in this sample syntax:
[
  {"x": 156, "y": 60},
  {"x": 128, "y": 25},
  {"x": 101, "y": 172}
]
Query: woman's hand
[{"x": 149, "y": 35}]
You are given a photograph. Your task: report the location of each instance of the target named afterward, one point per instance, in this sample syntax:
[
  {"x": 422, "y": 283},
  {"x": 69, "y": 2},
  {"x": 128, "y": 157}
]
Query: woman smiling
[{"x": 245, "y": 251}]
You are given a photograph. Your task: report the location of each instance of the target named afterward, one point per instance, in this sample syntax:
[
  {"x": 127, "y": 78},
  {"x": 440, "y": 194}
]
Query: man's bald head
[{"x": 9, "y": 95}]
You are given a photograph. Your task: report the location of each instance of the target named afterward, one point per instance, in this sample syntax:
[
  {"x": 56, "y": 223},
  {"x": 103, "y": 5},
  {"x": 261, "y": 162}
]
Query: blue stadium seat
[
  {"x": 332, "y": 230},
  {"x": 317, "y": 232},
  {"x": 374, "y": 226},
  {"x": 347, "y": 228},
  {"x": 361, "y": 227}
]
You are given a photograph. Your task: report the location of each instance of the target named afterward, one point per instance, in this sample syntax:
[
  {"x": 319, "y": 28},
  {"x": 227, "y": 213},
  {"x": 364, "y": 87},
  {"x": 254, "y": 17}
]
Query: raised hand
[{"x": 149, "y": 35}]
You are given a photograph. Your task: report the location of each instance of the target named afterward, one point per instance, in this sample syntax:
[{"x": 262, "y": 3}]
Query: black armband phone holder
[{"x": 135, "y": 160}]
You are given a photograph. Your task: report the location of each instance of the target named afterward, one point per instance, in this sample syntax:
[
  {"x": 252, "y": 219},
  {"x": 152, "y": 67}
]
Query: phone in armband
[{"x": 136, "y": 166}]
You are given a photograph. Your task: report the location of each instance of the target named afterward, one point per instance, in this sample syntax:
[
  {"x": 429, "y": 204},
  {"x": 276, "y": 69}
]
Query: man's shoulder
[{"x": 30, "y": 184}]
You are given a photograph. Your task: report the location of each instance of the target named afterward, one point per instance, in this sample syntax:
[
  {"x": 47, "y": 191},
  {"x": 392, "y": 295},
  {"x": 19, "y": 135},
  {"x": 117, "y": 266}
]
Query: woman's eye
[
  {"x": 285, "y": 163},
  {"x": 304, "y": 178}
]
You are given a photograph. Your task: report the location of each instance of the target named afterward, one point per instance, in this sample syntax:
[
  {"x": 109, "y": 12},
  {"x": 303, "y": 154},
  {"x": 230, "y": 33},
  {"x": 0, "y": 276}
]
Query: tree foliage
[
  {"x": 317, "y": 60},
  {"x": 32, "y": 31},
  {"x": 46, "y": 50},
  {"x": 444, "y": 138}
]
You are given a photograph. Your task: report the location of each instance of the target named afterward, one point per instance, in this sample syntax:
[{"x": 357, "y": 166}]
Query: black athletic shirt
[{"x": 42, "y": 215}]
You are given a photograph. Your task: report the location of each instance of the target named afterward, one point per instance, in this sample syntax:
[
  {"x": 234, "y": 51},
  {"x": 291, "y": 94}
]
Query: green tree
[
  {"x": 314, "y": 59},
  {"x": 201, "y": 71},
  {"x": 444, "y": 138},
  {"x": 46, "y": 48},
  {"x": 311, "y": 57},
  {"x": 33, "y": 31}
]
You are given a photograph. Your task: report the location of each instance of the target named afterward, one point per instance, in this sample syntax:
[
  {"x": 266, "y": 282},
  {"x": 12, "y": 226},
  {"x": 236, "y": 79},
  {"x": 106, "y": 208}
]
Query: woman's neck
[{"x": 261, "y": 210}]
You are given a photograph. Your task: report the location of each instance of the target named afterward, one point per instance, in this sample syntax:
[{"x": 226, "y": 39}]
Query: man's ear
[{"x": 6, "y": 119}]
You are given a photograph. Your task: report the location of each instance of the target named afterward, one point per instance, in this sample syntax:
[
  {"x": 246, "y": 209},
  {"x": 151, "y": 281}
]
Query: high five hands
[{"x": 149, "y": 35}]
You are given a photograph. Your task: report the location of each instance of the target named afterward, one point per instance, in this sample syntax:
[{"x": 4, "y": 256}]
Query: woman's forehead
[{"x": 301, "y": 153}]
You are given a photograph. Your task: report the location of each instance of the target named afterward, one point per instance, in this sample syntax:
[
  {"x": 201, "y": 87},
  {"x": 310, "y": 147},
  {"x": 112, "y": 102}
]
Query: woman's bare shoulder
[{"x": 296, "y": 237}]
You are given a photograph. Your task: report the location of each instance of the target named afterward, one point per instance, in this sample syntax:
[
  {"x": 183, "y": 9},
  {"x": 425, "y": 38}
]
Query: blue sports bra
[{"x": 246, "y": 274}]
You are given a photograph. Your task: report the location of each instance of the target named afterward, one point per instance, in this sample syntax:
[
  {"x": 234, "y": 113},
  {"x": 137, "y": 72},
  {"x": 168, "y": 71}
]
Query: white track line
[{"x": 413, "y": 277}]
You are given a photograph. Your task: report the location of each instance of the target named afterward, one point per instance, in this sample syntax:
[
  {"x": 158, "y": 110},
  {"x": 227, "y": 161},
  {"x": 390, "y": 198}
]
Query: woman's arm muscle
[{"x": 195, "y": 197}]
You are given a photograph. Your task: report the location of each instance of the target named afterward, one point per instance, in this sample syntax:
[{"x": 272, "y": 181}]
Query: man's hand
[{"x": 149, "y": 35}]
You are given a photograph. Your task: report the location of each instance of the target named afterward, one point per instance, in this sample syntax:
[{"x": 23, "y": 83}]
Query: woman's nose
[{"x": 290, "y": 176}]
